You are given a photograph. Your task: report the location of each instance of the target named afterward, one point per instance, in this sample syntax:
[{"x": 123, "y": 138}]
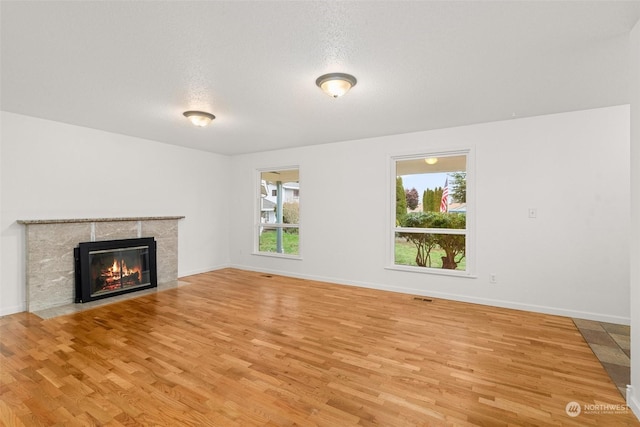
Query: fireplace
[{"x": 113, "y": 267}]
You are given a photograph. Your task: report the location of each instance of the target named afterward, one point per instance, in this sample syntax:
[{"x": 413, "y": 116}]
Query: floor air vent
[{"x": 423, "y": 299}]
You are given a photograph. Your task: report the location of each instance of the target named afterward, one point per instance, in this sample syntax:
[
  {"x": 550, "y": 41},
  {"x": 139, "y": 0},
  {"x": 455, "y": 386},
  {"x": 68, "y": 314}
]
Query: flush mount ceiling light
[
  {"x": 336, "y": 84},
  {"x": 431, "y": 160},
  {"x": 199, "y": 118}
]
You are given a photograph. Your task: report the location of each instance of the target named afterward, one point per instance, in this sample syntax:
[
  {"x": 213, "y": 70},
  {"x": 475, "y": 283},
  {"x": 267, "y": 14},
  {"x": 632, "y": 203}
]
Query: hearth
[{"x": 113, "y": 267}]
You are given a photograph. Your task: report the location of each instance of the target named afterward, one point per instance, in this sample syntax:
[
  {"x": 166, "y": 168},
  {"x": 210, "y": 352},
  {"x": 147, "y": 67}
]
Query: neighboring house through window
[{"x": 278, "y": 227}]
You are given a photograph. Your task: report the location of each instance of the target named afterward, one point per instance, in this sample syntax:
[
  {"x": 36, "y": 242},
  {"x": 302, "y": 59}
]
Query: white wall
[
  {"x": 571, "y": 260},
  {"x": 15, "y": 304},
  {"x": 572, "y": 167},
  {"x": 633, "y": 396},
  {"x": 51, "y": 170}
]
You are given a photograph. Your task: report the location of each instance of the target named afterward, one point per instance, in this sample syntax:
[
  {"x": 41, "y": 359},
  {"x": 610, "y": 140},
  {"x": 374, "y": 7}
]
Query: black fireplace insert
[{"x": 113, "y": 267}]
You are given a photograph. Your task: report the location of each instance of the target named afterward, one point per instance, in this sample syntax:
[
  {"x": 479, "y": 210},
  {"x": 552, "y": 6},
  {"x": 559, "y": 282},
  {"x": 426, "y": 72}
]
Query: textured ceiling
[{"x": 134, "y": 67}]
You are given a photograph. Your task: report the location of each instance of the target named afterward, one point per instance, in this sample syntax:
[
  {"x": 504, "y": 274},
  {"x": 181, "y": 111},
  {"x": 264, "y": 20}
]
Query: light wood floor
[{"x": 248, "y": 349}]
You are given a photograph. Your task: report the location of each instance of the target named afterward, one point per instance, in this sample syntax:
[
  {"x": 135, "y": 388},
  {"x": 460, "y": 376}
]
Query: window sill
[
  {"x": 277, "y": 255},
  {"x": 434, "y": 271}
]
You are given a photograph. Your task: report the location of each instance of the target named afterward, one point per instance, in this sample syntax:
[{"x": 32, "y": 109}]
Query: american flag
[{"x": 444, "y": 206}]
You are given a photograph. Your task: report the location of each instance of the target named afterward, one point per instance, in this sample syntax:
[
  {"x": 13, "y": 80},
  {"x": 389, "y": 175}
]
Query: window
[
  {"x": 430, "y": 229},
  {"x": 278, "y": 225}
]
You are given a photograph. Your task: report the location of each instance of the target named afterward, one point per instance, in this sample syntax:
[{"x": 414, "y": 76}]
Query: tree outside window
[{"x": 431, "y": 212}]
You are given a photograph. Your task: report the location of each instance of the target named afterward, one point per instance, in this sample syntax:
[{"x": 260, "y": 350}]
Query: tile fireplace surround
[{"x": 50, "y": 276}]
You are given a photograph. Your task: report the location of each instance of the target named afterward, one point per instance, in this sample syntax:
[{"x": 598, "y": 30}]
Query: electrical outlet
[{"x": 492, "y": 278}]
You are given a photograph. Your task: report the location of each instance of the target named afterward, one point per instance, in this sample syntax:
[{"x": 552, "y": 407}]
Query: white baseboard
[
  {"x": 632, "y": 401},
  {"x": 182, "y": 274},
  {"x": 5, "y": 311},
  {"x": 598, "y": 317}
]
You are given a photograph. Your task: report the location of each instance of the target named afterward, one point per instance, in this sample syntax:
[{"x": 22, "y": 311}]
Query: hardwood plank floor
[{"x": 250, "y": 349}]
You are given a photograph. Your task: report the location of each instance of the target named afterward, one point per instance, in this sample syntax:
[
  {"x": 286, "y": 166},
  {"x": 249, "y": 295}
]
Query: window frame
[
  {"x": 469, "y": 232},
  {"x": 258, "y": 224}
]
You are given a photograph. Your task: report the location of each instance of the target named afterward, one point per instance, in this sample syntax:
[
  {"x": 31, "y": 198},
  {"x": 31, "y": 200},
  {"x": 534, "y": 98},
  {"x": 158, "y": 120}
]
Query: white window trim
[
  {"x": 460, "y": 231},
  {"x": 257, "y": 214},
  {"x": 470, "y": 231}
]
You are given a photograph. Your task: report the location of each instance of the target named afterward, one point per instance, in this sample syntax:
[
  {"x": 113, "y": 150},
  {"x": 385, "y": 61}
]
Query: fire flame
[
  {"x": 126, "y": 271},
  {"x": 117, "y": 274}
]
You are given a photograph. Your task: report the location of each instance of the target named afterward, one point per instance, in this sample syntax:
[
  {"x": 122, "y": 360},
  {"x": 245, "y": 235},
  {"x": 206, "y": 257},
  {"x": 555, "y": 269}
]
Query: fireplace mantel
[
  {"x": 67, "y": 221},
  {"x": 50, "y": 272}
]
